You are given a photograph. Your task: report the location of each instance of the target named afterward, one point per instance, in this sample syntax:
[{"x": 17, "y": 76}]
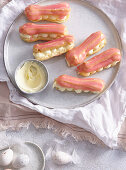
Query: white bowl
[{"x": 45, "y": 72}]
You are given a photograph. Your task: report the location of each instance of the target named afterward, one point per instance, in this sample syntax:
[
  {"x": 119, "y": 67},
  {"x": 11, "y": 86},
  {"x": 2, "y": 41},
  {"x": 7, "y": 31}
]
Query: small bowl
[
  {"x": 39, "y": 153},
  {"x": 45, "y": 72}
]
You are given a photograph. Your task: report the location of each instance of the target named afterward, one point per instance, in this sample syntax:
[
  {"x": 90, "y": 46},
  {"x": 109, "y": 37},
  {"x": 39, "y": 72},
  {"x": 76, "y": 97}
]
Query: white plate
[{"x": 84, "y": 20}]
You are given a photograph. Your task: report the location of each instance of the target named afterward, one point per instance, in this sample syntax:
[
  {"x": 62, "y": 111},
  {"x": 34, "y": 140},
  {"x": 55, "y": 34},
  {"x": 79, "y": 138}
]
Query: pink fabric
[{"x": 16, "y": 116}]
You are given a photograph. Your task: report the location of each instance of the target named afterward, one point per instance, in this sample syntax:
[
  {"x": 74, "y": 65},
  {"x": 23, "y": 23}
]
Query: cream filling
[
  {"x": 102, "y": 43},
  {"x": 30, "y": 77},
  {"x": 53, "y": 52},
  {"x": 25, "y": 36},
  {"x": 52, "y": 17},
  {"x": 100, "y": 69},
  {"x": 55, "y": 85},
  {"x": 43, "y": 35},
  {"x": 92, "y": 51},
  {"x": 53, "y": 35}
]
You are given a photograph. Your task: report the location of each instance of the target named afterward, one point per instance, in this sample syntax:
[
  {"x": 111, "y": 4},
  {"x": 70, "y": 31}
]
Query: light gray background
[{"x": 93, "y": 157}]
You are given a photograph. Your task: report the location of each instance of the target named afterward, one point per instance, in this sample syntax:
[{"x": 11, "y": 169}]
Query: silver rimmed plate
[{"x": 84, "y": 20}]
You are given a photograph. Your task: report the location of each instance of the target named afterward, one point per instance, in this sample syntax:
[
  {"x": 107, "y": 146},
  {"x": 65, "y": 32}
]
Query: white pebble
[
  {"x": 6, "y": 157},
  {"x": 61, "y": 158}
]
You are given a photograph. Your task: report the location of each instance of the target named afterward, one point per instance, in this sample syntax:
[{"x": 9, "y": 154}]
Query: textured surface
[{"x": 92, "y": 157}]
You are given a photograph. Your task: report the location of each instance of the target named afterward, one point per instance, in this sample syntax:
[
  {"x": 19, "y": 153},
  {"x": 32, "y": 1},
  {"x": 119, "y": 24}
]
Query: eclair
[
  {"x": 69, "y": 83},
  {"x": 47, "y": 50},
  {"x": 106, "y": 59},
  {"x": 31, "y": 32},
  {"x": 58, "y": 12},
  {"x": 90, "y": 46}
]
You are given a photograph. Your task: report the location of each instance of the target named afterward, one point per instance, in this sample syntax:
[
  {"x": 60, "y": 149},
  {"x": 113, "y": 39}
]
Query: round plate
[{"x": 84, "y": 20}]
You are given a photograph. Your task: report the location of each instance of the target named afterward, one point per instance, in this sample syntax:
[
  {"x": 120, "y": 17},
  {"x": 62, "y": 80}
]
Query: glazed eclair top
[
  {"x": 32, "y": 29},
  {"x": 33, "y": 12},
  {"x": 91, "y": 84},
  {"x": 78, "y": 54},
  {"x": 54, "y": 43},
  {"x": 101, "y": 60}
]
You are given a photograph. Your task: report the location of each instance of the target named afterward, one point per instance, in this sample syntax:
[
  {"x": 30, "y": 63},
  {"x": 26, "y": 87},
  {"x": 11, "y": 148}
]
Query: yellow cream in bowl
[{"x": 30, "y": 77}]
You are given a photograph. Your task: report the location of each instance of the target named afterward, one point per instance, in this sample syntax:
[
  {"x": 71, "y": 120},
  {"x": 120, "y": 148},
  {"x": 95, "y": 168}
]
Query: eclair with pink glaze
[
  {"x": 47, "y": 50},
  {"x": 69, "y": 83},
  {"x": 90, "y": 46},
  {"x": 58, "y": 12},
  {"x": 106, "y": 59},
  {"x": 30, "y": 32}
]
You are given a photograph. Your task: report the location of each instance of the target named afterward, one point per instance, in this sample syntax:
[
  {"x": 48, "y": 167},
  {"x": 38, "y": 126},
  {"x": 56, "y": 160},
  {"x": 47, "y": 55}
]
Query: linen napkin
[{"x": 102, "y": 117}]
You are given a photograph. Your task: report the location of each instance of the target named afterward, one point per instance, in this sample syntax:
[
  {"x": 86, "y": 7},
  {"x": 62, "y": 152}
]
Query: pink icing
[
  {"x": 32, "y": 29},
  {"x": 73, "y": 56},
  {"x": 54, "y": 43},
  {"x": 91, "y": 84},
  {"x": 33, "y": 12},
  {"x": 102, "y": 60}
]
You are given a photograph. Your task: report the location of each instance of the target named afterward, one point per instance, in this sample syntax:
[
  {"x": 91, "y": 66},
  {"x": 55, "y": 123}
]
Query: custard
[{"x": 30, "y": 77}]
